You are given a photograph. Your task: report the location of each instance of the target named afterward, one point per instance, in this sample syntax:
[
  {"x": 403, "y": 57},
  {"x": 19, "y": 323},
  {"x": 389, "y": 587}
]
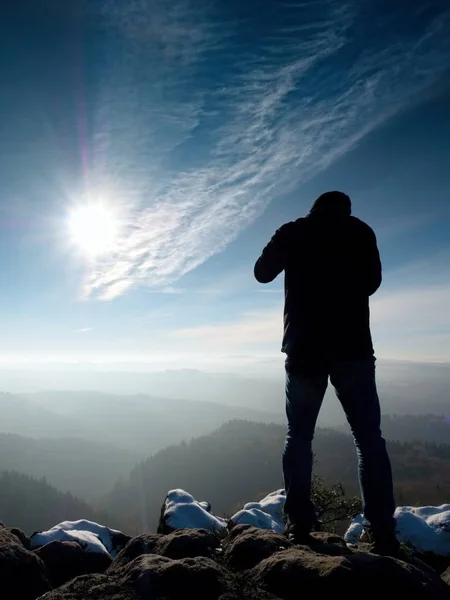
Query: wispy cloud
[
  {"x": 84, "y": 330},
  {"x": 271, "y": 118},
  {"x": 253, "y": 329}
]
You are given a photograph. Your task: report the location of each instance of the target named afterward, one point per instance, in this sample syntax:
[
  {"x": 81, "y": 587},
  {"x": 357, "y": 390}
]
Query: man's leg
[
  {"x": 304, "y": 396},
  {"x": 355, "y": 386}
]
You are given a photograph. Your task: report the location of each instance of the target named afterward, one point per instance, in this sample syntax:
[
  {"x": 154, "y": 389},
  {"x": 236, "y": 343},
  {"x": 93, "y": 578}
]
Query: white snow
[
  {"x": 265, "y": 514},
  {"x": 356, "y": 529},
  {"x": 182, "y": 511},
  {"x": 426, "y": 528},
  {"x": 92, "y": 536},
  {"x": 88, "y": 541}
]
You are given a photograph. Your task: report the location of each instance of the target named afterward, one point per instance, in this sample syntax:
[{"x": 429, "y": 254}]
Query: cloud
[
  {"x": 252, "y": 329},
  {"x": 269, "y": 119},
  {"x": 84, "y": 330},
  {"x": 411, "y": 311}
]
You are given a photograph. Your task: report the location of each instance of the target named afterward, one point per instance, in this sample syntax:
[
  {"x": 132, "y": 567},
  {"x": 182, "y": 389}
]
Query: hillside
[
  {"x": 138, "y": 423},
  {"x": 423, "y": 428},
  {"x": 86, "y": 468},
  {"x": 34, "y": 505},
  {"x": 242, "y": 460}
]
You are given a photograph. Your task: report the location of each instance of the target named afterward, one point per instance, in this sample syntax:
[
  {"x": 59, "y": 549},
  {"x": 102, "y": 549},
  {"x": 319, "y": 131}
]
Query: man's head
[{"x": 334, "y": 204}]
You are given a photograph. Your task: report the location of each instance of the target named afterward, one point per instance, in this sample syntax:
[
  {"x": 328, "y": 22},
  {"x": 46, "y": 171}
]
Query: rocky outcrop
[
  {"x": 250, "y": 564},
  {"x": 246, "y": 564}
]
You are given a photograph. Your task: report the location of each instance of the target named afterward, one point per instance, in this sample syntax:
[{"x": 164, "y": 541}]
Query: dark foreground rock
[
  {"x": 22, "y": 573},
  {"x": 249, "y": 564},
  {"x": 347, "y": 575},
  {"x": 63, "y": 561}
]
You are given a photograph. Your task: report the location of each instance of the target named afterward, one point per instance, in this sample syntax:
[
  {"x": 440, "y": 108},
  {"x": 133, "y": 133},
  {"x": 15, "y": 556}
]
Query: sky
[{"x": 199, "y": 127}]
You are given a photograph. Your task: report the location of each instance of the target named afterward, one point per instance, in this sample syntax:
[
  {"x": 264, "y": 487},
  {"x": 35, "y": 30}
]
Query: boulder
[
  {"x": 189, "y": 543},
  {"x": 287, "y": 572},
  {"x": 93, "y": 587},
  {"x": 181, "y": 511},
  {"x": 446, "y": 576},
  {"x": 146, "y": 543},
  {"x": 63, "y": 561},
  {"x": 22, "y": 573},
  {"x": 247, "y": 546},
  {"x": 161, "y": 577},
  {"x": 90, "y": 535},
  {"x": 21, "y": 536}
]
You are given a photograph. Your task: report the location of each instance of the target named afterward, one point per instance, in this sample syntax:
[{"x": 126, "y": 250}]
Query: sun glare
[{"x": 93, "y": 228}]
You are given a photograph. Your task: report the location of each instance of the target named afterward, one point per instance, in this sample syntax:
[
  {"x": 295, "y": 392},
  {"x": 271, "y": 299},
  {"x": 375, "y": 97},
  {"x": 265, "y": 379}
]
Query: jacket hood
[{"x": 332, "y": 205}]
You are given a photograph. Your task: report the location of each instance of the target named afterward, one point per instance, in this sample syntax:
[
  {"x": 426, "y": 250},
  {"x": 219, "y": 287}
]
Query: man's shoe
[
  {"x": 299, "y": 534},
  {"x": 384, "y": 543}
]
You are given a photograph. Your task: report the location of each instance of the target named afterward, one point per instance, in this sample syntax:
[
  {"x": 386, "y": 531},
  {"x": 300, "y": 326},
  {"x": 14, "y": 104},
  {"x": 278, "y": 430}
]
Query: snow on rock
[
  {"x": 426, "y": 528},
  {"x": 91, "y": 536},
  {"x": 356, "y": 529},
  {"x": 86, "y": 539},
  {"x": 182, "y": 511},
  {"x": 266, "y": 514}
]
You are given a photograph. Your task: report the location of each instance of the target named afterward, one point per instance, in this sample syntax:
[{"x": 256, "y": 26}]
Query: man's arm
[
  {"x": 273, "y": 258},
  {"x": 373, "y": 265}
]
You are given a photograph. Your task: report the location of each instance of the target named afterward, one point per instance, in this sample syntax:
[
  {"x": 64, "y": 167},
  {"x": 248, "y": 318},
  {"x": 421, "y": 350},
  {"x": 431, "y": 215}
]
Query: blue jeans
[{"x": 354, "y": 382}]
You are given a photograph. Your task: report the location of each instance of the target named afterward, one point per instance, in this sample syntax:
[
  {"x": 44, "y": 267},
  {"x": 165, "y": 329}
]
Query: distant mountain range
[
  {"x": 405, "y": 387},
  {"x": 139, "y": 424}
]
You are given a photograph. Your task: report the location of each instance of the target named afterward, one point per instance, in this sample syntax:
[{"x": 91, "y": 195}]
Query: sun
[{"x": 93, "y": 228}]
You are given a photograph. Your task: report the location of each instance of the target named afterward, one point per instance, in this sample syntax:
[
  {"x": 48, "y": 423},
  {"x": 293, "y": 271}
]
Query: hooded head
[{"x": 332, "y": 204}]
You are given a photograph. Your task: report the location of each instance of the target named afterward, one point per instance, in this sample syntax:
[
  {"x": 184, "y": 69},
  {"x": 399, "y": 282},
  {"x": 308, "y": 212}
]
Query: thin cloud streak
[{"x": 286, "y": 115}]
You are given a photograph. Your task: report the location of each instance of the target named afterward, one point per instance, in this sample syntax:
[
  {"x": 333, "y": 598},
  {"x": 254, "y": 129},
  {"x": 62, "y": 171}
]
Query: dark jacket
[{"x": 332, "y": 266}]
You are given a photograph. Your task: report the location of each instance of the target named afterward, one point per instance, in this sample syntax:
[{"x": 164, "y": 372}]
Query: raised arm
[
  {"x": 273, "y": 258},
  {"x": 372, "y": 268}
]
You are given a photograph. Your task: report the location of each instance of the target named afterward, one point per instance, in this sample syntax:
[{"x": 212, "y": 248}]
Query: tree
[{"x": 332, "y": 506}]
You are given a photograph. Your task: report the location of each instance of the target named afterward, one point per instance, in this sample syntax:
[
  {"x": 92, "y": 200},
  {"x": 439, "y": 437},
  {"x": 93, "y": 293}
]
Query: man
[{"x": 332, "y": 266}]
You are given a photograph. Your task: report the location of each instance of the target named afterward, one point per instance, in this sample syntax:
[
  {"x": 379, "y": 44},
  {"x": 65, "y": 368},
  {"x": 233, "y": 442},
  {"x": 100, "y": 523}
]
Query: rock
[
  {"x": 161, "y": 577},
  {"x": 426, "y": 529},
  {"x": 189, "y": 543},
  {"x": 329, "y": 543},
  {"x": 142, "y": 544},
  {"x": 285, "y": 573},
  {"x": 247, "y": 546},
  {"x": 63, "y": 561},
  {"x": 90, "y": 535},
  {"x": 446, "y": 576},
  {"x": 22, "y": 573},
  {"x": 265, "y": 514},
  {"x": 93, "y": 587},
  {"x": 181, "y": 511},
  {"x": 21, "y": 536},
  {"x": 184, "y": 543}
]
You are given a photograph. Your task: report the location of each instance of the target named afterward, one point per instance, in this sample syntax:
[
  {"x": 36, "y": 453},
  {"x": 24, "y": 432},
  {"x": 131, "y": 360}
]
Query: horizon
[{"x": 144, "y": 167}]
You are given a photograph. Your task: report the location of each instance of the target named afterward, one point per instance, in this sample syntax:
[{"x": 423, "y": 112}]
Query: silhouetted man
[{"x": 332, "y": 266}]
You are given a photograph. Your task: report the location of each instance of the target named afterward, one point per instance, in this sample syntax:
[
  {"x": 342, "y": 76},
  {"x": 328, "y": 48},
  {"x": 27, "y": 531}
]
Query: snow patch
[
  {"x": 426, "y": 528},
  {"x": 266, "y": 514},
  {"x": 91, "y": 536},
  {"x": 182, "y": 511}
]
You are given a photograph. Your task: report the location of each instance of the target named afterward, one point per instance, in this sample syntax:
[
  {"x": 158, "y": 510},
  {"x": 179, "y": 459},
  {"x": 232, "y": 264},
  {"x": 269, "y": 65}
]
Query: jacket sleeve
[
  {"x": 373, "y": 264},
  {"x": 273, "y": 258}
]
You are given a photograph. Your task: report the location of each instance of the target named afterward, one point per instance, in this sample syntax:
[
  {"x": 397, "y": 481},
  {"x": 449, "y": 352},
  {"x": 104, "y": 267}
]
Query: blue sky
[{"x": 203, "y": 126}]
